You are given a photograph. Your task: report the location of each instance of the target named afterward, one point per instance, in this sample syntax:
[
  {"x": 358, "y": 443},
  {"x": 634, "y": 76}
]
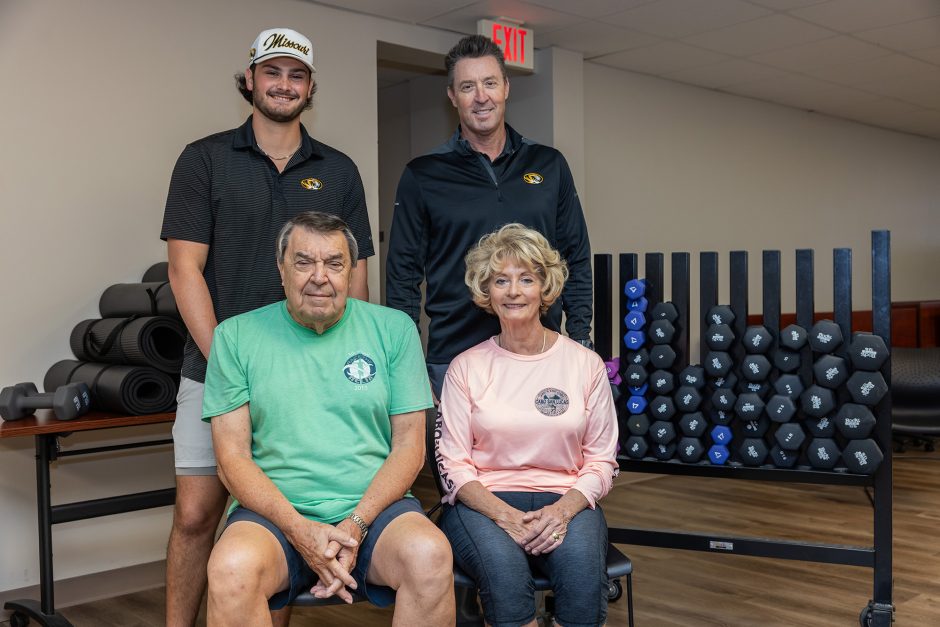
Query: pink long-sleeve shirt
[{"x": 528, "y": 423}]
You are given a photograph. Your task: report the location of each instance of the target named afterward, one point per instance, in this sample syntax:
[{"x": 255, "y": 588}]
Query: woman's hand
[
  {"x": 513, "y": 522},
  {"x": 546, "y": 529}
]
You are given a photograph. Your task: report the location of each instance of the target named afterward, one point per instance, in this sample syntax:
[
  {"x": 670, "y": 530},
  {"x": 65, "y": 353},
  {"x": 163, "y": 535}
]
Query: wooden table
[{"x": 46, "y": 430}]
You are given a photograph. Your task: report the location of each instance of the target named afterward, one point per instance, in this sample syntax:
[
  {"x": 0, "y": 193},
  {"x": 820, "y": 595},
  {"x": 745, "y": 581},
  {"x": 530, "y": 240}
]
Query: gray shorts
[{"x": 192, "y": 438}]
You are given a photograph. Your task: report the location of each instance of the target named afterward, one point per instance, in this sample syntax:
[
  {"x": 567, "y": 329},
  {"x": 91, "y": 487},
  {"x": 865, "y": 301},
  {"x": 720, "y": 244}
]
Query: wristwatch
[{"x": 363, "y": 527}]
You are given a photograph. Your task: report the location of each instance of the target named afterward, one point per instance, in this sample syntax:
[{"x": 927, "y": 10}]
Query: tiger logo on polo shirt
[
  {"x": 312, "y": 184},
  {"x": 533, "y": 178},
  {"x": 552, "y": 402}
]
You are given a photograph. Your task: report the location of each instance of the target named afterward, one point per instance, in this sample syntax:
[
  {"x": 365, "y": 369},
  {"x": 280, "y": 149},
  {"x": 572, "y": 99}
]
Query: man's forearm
[
  {"x": 255, "y": 491},
  {"x": 394, "y": 477},
  {"x": 194, "y": 304}
]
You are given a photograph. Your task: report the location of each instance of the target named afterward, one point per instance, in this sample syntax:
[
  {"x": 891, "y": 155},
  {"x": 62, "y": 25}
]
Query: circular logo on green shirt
[
  {"x": 359, "y": 368},
  {"x": 552, "y": 402}
]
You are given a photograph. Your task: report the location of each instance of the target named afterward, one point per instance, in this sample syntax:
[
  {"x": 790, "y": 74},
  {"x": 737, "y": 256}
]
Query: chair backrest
[{"x": 432, "y": 431}]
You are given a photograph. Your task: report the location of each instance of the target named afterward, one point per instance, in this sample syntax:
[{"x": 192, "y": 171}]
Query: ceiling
[{"x": 872, "y": 61}]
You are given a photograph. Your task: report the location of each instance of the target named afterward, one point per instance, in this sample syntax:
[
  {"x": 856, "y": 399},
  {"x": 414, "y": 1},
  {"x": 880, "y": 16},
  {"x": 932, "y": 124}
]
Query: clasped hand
[
  {"x": 537, "y": 532},
  {"x": 331, "y": 553}
]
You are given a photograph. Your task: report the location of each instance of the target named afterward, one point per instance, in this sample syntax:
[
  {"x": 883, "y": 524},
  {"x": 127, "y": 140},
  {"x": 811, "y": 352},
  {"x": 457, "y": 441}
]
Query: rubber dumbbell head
[
  {"x": 854, "y": 421},
  {"x": 664, "y": 311},
  {"x": 761, "y": 388},
  {"x": 719, "y": 337},
  {"x": 757, "y": 339},
  {"x": 67, "y": 402},
  {"x": 638, "y": 304},
  {"x": 662, "y": 432},
  {"x": 867, "y": 351},
  {"x": 817, "y": 401},
  {"x": 634, "y": 288},
  {"x": 830, "y": 371},
  {"x": 634, "y": 340},
  {"x": 820, "y": 427},
  {"x": 825, "y": 336},
  {"x": 786, "y": 361},
  {"x": 635, "y": 375},
  {"x": 867, "y": 388},
  {"x": 11, "y": 406},
  {"x": 640, "y": 357},
  {"x": 661, "y": 331},
  {"x": 721, "y": 417},
  {"x": 729, "y": 381},
  {"x": 720, "y": 314},
  {"x": 636, "y": 404},
  {"x": 693, "y": 375},
  {"x": 780, "y": 408},
  {"x": 687, "y": 398},
  {"x": 662, "y": 357},
  {"x": 693, "y": 425},
  {"x": 662, "y": 382},
  {"x": 690, "y": 449},
  {"x": 636, "y": 447},
  {"x": 718, "y": 454},
  {"x": 662, "y": 408},
  {"x": 756, "y": 428},
  {"x": 638, "y": 390},
  {"x": 793, "y": 337},
  {"x": 634, "y": 320},
  {"x": 664, "y": 452},
  {"x": 862, "y": 456},
  {"x": 717, "y": 363},
  {"x": 753, "y": 451},
  {"x": 613, "y": 370},
  {"x": 748, "y": 406},
  {"x": 755, "y": 368},
  {"x": 783, "y": 458},
  {"x": 823, "y": 453},
  {"x": 721, "y": 434},
  {"x": 638, "y": 424},
  {"x": 789, "y": 385},
  {"x": 790, "y": 436},
  {"x": 724, "y": 399}
]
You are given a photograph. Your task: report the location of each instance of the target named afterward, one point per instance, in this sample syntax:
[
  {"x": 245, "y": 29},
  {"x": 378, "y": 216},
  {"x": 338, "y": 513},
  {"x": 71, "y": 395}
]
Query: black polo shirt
[{"x": 226, "y": 193}]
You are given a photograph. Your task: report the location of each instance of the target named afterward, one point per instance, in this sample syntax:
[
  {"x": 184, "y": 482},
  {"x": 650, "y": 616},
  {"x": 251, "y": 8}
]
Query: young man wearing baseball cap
[{"x": 229, "y": 195}]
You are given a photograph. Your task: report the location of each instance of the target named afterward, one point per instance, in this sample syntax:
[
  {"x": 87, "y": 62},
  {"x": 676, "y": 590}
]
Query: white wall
[
  {"x": 678, "y": 168},
  {"x": 100, "y": 97}
]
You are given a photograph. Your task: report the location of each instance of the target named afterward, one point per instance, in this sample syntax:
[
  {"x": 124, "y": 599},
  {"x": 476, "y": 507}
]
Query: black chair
[
  {"x": 618, "y": 564},
  {"x": 915, "y": 396}
]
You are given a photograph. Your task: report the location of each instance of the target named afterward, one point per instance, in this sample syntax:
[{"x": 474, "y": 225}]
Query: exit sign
[{"x": 514, "y": 40}]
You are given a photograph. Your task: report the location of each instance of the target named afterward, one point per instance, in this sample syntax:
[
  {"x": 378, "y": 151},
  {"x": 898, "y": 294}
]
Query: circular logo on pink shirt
[{"x": 552, "y": 402}]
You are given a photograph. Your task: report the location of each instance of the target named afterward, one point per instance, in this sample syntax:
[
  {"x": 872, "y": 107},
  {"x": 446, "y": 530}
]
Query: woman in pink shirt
[{"x": 528, "y": 443}]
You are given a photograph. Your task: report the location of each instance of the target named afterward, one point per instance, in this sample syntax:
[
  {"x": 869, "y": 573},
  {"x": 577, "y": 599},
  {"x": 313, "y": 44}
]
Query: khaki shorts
[{"x": 192, "y": 438}]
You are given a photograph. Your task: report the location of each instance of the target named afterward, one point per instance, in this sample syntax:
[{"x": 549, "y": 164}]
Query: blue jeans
[{"x": 503, "y": 570}]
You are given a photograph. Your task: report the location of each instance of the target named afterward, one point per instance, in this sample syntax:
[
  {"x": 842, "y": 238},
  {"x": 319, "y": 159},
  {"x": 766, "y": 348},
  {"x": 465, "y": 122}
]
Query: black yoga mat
[
  {"x": 141, "y": 341},
  {"x": 143, "y": 299},
  {"x": 131, "y": 390},
  {"x": 157, "y": 272}
]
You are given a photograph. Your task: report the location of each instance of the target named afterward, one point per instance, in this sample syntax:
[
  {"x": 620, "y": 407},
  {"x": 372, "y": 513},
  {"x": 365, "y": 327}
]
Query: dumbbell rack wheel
[{"x": 879, "y": 611}]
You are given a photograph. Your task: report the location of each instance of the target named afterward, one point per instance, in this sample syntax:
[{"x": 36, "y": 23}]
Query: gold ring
[{"x": 555, "y": 537}]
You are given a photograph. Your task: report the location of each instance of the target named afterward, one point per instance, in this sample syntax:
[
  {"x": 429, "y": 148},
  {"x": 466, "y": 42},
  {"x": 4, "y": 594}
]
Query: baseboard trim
[{"x": 95, "y": 586}]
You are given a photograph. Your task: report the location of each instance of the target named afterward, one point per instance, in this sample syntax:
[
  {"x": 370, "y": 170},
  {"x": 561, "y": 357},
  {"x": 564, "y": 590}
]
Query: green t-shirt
[{"x": 319, "y": 404}]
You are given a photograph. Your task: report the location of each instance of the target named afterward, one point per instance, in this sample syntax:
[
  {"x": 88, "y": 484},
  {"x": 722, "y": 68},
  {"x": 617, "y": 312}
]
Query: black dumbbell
[
  {"x": 661, "y": 331},
  {"x": 830, "y": 371},
  {"x": 780, "y": 408},
  {"x": 724, "y": 399},
  {"x": 867, "y": 351},
  {"x": 720, "y": 314},
  {"x": 854, "y": 421},
  {"x": 867, "y": 388},
  {"x": 636, "y": 447},
  {"x": 662, "y": 382},
  {"x": 635, "y": 375},
  {"x": 761, "y": 388},
  {"x": 640, "y": 357},
  {"x": 757, "y": 339},
  {"x": 664, "y": 452},
  {"x": 687, "y": 398},
  {"x": 662, "y": 408},
  {"x": 820, "y": 427},
  {"x": 662, "y": 432},
  {"x": 790, "y": 436},
  {"x": 793, "y": 337},
  {"x": 823, "y": 453},
  {"x": 693, "y": 375},
  {"x": 789, "y": 385},
  {"x": 638, "y": 424},
  {"x": 719, "y": 337},
  {"x": 729, "y": 381},
  {"x": 786, "y": 361},
  {"x": 717, "y": 363},
  {"x": 817, "y": 401},
  {"x": 67, "y": 402},
  {"x": 756, "y": 428},
  {"x": 664, "y": 311},
  {"x": 749, "y": 406},
  {"x": 755, "y": 368},
  {"x": 721, "y": 417},
  {"x": 783, "y": 458},
  {"x": 690, "y": 449},
  {"x": 862, "y": 456},
  {"x": 662, "y": 356},
  {"x": 825, "y": 336},
  {"x": 753, "y": 451},
  {"x": 693, "y": 425}
]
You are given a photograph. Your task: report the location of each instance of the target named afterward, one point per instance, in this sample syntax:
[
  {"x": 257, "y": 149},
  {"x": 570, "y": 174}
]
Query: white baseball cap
[{"x": 281, "y": 42}]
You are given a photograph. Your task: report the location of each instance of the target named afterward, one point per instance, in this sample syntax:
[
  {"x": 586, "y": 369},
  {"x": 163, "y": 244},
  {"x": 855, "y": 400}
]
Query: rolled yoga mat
[
  {"x": 141, "y": 341},
  {"x": 141, "y": 299},
  {"x": 131, "y": 390},
  {"x": 157, "y": 272}
]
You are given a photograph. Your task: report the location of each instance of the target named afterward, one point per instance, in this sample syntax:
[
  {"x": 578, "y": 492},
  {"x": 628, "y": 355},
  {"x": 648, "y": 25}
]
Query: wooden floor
[{"x": 690, "y": 588}]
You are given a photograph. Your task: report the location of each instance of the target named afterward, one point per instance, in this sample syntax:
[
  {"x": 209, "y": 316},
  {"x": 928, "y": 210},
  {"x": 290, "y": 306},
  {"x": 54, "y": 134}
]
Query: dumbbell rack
[{"x": 879, "y": 611}]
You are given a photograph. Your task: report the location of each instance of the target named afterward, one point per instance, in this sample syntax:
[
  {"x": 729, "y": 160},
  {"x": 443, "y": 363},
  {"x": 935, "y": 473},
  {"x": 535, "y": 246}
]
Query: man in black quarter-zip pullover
[{"x": 485, "y": 176}]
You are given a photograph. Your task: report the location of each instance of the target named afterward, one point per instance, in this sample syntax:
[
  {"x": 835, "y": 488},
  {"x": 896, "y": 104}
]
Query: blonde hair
[{"x": 514, "y": 243}]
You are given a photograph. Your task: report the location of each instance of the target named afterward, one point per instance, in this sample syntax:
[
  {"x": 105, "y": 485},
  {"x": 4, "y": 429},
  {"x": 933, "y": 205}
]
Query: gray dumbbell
[{"x": 67, "y": 402}]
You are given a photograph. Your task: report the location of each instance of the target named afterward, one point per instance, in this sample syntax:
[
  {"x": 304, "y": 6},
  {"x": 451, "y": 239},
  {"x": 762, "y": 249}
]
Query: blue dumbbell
[
  {"x": 634, "y": 340},
  {"x": 721, "y": 434},
  {"x": 636, "y": 404},
  {"x": 638, "y": 390},
  {"x": 718, "y": 454},
  {"x": 638, "y": 304},
  {"x": 634, "y": 288},
  {"x": 635, "y": 320}
]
